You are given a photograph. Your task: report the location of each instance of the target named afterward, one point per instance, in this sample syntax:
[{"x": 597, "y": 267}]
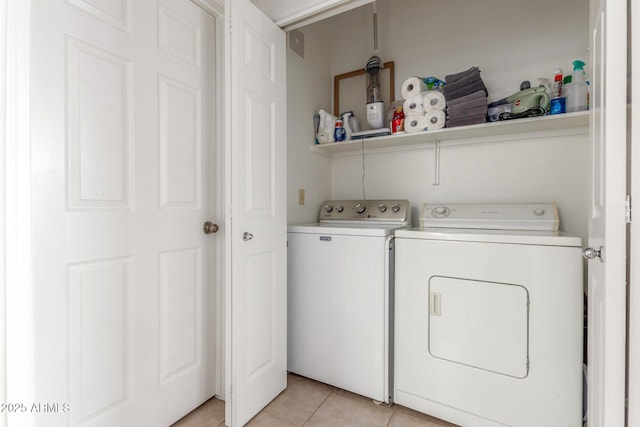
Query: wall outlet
[{"x": 301, "y": 196}]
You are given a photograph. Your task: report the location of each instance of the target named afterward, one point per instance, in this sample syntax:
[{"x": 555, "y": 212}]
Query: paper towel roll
[
  {"x": 413, "y": 106},
  {"x": 412, "y": 87},
  {"x": 433, "y": 100},
  {"x": 415, "y": 123},
  {"x": 435, "y": 120}
]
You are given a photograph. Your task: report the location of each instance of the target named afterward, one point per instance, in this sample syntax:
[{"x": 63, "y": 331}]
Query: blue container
[
  {"x": 339, "y": 134},
  {"x": 558, "y": 106}
]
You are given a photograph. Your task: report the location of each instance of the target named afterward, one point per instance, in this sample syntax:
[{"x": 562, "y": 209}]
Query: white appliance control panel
[
  {"x": 388, "y": 211},
  {"x": 520, "y": 216}
]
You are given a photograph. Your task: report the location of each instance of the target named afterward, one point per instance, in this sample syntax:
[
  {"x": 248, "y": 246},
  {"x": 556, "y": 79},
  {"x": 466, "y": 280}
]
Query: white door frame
[
  {"x": 17, "y": 303},
  {"x": 213, "y": 8},
  {"x": 633, "y": 374}
]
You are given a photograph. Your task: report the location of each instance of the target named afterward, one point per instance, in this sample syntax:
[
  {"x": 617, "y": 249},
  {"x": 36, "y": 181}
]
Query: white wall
[
  {"x": 511, "y": 41},
  {"x": 309, "y": 85},
  {"x": 530, "y": 170}
]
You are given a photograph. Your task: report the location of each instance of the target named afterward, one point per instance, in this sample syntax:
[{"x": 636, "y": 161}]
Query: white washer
[
  {"x": 489, "y": 316},
  {"x": 339, "y": 290}
]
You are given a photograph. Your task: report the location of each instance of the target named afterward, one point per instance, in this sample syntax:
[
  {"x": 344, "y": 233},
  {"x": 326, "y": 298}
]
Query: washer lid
[
  {"x": 359, "y": 228},
  {"x": 520, "y": 216}
]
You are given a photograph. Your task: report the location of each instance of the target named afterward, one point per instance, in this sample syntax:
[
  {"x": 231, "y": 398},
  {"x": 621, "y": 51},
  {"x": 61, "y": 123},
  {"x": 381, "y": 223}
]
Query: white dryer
[{"x": 489, "y": 316}]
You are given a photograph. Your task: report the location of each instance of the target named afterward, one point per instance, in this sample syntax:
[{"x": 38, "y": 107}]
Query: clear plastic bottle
[{"x": 577, "y": 90}]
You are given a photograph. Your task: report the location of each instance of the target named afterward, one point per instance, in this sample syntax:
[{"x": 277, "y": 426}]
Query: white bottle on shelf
[{"x": 577, "y": 90}]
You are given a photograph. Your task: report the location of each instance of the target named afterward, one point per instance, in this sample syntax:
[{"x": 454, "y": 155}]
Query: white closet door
[
  {"x": 634, "y": 283},
  {"x": 256, "y": 308},
  {"x": 607, "y": 230},
  {"x": 122, "y": 156}
]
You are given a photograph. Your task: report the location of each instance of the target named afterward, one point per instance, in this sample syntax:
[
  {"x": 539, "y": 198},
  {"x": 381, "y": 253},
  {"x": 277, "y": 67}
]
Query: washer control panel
[
  {"x": 390, "y": 211},
  {"x": 518, "y": 216}
]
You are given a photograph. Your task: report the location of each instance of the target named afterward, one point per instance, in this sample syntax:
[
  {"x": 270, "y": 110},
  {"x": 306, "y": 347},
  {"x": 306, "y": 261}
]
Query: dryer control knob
[
  {"x": 441, "y": 212},
  {"x": 360, "y": 207},
  {"x": 538, "y": 212},
  {"x": 395, "y": 208},
  {"x": 339, "y": 208},
  {"x": 382, "y": 208},
  {"x": 328, "y": 208}
]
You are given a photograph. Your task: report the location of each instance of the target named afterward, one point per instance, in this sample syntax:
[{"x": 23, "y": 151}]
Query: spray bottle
[{"x": 577, "y": 90}]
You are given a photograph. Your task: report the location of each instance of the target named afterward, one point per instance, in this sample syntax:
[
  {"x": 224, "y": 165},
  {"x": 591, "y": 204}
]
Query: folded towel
[
  {"x": 457, "y": 76},
  {"x": 478, "y": 111},
  {"x": 467, "y": 121},
  {"x": 466, "y": 90},
  {"x": 466, "y": 80},
  {"x": 481, "y": 94},
  {"x": 465, "y": 106}
]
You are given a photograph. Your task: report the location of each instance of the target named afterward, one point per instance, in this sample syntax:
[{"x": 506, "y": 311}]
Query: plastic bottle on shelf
[
  {"x": 558, "y": 101},
  {"x": 577, "y": 99},
  {"x": 340, "y": 133},
  {"x": 346, "y": 124},
  {"x": 544, "y": 82}
]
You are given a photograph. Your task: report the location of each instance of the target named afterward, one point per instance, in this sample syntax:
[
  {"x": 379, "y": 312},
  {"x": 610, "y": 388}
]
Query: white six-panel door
[
  {"x": 256, "y": 308},
  {"x": 122, "y": 181},
  {"x": 607, "y": 230}
]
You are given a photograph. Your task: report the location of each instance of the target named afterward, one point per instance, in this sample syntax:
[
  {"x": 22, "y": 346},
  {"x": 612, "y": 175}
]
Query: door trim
[
  {"x": 221, "y": 210},
  {"x": 633, "y": 332},
  {"x": 18, "y": 301}
]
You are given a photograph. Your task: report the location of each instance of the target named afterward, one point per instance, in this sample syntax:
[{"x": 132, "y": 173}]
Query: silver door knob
[
  {"x": 246, "y": 236},
  {"x": 209, "y": 227},
  {"x": 590, "y": 253}
]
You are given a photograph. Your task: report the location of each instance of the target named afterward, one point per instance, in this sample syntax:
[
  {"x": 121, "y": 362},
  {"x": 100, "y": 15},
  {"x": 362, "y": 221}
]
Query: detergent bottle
[{"x": 577, "y": 90}]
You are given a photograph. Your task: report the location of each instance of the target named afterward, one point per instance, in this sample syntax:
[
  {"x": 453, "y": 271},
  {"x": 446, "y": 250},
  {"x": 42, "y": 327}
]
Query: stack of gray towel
[{"x": 466, "y": 97}]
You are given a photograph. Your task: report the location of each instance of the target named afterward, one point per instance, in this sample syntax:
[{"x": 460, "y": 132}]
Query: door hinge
[{"x": 627, "y": 209}]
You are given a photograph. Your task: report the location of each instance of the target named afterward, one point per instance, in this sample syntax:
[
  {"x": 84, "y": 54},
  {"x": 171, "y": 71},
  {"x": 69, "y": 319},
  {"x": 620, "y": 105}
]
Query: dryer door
[{"x": 480, "y": 324}]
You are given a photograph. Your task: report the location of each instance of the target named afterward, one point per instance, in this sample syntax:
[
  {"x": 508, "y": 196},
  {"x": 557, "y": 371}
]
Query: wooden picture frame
[{"x": 336, "y": 84}]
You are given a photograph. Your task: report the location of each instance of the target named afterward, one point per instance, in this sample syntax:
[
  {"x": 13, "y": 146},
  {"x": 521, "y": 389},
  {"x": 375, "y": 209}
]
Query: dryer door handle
[{"x": 434, "y": 304}]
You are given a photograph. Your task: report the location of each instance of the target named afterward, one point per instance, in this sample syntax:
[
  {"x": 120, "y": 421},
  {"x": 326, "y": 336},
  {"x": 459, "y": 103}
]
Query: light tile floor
[{"x": 309, "y": 403}]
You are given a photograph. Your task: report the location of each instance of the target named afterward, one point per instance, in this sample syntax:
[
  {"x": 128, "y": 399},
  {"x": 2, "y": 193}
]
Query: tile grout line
[{"x": 319, "y": 406}]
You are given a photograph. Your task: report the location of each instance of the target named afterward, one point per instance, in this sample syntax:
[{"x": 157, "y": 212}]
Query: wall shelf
[{"x": 535, "y": 127}]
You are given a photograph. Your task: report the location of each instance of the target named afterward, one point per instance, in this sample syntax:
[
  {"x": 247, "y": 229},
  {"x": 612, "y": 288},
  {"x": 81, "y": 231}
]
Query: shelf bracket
[{"x": 436, "y": 162}]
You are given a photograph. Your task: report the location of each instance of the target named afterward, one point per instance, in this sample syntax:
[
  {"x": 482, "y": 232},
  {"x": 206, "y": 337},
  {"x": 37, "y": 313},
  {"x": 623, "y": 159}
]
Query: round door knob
[
  {"x": 246, "y": 236},
  {"x": 209, "y": 227},
  {"x": 590, "y": 253}
]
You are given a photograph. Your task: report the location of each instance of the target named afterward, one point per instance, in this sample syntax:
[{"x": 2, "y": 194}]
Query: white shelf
[{"x": 546, "y": 126}]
